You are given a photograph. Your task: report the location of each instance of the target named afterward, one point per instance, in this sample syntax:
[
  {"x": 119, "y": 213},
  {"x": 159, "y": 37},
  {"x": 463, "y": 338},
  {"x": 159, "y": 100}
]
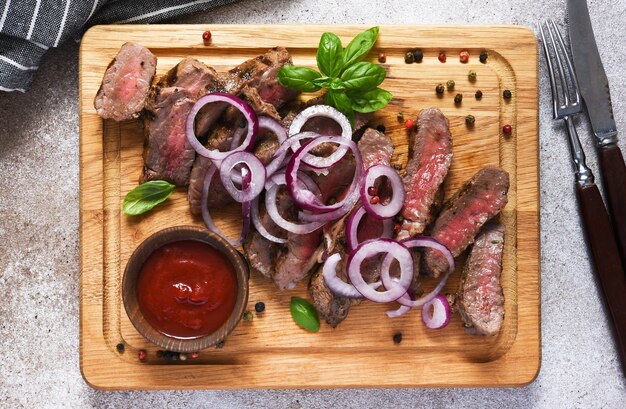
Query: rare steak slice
[
  {"x": 480, "y": 299},
  {"x": 474, "y": 204},
  {"x": 126, "y": 83},
  {"x": 376, "y": 148},
  {"x": 167, "y": 153},
  {"x": 431, "y": 155}
]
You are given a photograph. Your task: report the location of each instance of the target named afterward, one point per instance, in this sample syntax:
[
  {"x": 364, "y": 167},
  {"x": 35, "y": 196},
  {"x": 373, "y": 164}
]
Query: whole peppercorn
[
  {"x": 507, "y": 94},
  {"x": 409, "y": 58},
  {"x": 219, "y": 345},
  {"x": 194, "y": 355},
  {"x": 382, "y": 58},
  {"x": 479, "y": 94},
  {"x": 400, "y": 116},
  {"x": 450, "y": 85},
  {"x": 507, "y": 129},
  {"x": 168, "y": 355},
  {"x": 418, "y": 55},
  {"x": 397, "y": 338},
  {"x": 183, "y": 357},
  {"x": 440, "y": 89},
  {"x": 469, "y": 120},
  {"x": 458, "y": 98},
  {"x": 408, "y": 124},
  {"x": 206, "y": 37},
  {"x": 159, "y": 353},
  {"x": 259, "y": 307},
  {"x": 142, "y": 354},
  {"x": 464, "y": 56},
  {"x": 372, "y": 191},
  {"x": 442, "y": 57},
  {"x": 247, "y": 316},
  {"x": 120, "y": 347},
  {"x": 381, "y": 128},
  {"x": 483, "y": 57},
  {"x": 397, "y": 227},
  {"x": 471, "y": 75},
  {"x": 375, "y": 200}
]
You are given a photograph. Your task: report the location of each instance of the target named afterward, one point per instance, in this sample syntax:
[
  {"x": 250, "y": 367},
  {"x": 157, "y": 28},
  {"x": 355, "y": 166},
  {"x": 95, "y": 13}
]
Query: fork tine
[
  {"x": 559, "y": 64},
  {"x": 553, "y": 86},
  {"x": 568, "y": 62}
]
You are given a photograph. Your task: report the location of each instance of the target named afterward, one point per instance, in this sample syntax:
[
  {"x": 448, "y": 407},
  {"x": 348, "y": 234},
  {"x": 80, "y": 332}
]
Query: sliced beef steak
[
  {"x": 480, "y": 299},
  {"x": 126, "y": 83},
  {"x": 431, "y": 155},
  {"x": 376, "y": 148},
  {"x": 167, "y": 153},
  {"x": 477, "y": 201}
]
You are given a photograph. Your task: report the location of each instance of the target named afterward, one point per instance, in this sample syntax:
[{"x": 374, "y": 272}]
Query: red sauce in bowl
[{"x": 187, "y": 289}]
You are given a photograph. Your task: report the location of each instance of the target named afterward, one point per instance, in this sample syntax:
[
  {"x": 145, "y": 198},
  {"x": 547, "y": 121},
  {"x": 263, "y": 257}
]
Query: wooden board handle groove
[
  {"x": 608, "y": 266},
  {"x": 614, "y": 180}
]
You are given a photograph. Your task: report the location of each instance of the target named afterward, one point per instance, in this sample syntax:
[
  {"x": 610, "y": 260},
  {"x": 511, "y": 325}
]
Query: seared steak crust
[
  {"x": 126, "y": 82},
  {"x": 480, "y": 299},
  {"x": 425, "y": 171},
  {"x": 477, "y": 201}
]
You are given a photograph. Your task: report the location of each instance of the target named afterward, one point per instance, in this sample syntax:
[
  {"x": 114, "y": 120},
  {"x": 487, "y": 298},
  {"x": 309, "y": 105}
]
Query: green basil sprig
[
  {"x": 145, "y": 196},
  {"x": 351, "y": 84},
  {"x": 304, "y": 314}
]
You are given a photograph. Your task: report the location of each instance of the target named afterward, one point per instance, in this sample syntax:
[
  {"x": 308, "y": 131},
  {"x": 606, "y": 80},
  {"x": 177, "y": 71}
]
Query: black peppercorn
[
  {"x": 259, "y": 307},
  {"x": 400, "y": 116},
  {"x": 469, "y": 120},
  {"x": 397, "y": 338},
  {"x": 120, "y": 347},
  {"x": 159, "y": 353},
  {"x": 479, "y": 94},
  {"x": 483, "y": 57},
  {"x": 381, "y": 128},
  {"x": 507, "y": 94},
  {"x": 219, "y": 345},
  {"x": 418, "y": 55},
  {"x": 458, "y": 98},
  {"x": 440, "y": 89},
  {"x": 409, "y": 58}
]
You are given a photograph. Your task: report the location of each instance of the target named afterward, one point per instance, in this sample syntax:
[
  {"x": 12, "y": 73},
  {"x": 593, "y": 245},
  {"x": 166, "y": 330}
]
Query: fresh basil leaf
[
  {"x": 304, "y": 314},
  {"x": 342, "y": 102},
  {"x": 298, "y": 78},
  {"x": 330, "y": 55},
  {"x": 360, "y": 46},
  {"x": 322, "y": 81},
  {"x": 336, "y": 84},
  {"x": 145, "y": 196},
  {"x": 363, "y": 76},
  {"x": 370, "y": 101}
]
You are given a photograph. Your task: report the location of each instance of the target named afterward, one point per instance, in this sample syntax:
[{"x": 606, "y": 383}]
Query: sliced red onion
[
  {"x": 251, "y": 164},
  {"x": 256, "y": 220},
  {"x": 278, "y": 180},
  {"x": 337, "y": 285},
  {"x": 206, "y": 216},
  {"x": 280, "y": 155},
  {"x": 352, "y": 228},
  {"x": 394, "y": 250},
  {"x": 305, "y": 198},
  {"x": 328, "y": 112},
  {"x": 378, "y": 209},
  {"x": 215, "y": 155},
  {"x": 436, "y": 313},
  {"x": 236, "y": 140},
  {"x": 403, "y": 309},
  {"x": 420, "y": 241},
  {"x": 272, "y": 125}
]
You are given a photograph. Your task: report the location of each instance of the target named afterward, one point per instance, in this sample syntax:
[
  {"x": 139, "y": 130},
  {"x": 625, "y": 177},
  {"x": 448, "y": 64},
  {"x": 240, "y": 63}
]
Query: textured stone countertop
[{"x": 39, "y": 243}]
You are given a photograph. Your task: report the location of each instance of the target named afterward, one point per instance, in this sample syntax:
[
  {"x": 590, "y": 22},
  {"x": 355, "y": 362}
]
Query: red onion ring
[
  {"x": 436, "y": 313},
  {"x": 281, "y": 153},
  {"x": 328, "y": 112},
  {"x": 394, "y": 250},
  {"x": 309, "y": 201},
  {"x": 352, "y": 227},
  {"x": 215, "y": 155},
  {"x": 380, "y": 210},
  {"x": 337, "y": 285},
  {"x": 256, "y": 220},
  {"x": 253, "y": 166},
  {"x": 206, "y": 216},
  {"x": 420, "y": 241}
]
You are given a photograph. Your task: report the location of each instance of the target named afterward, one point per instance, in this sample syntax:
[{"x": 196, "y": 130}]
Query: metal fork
[{"x": 599, "y": 231}]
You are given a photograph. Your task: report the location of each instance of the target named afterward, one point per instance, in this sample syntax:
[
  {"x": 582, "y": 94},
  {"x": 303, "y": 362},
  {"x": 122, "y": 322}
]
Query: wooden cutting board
[{"x": 271, "y": 351}]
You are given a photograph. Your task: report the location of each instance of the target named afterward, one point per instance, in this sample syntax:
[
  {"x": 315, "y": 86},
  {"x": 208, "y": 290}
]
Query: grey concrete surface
[{"x": 39, "y": 250}]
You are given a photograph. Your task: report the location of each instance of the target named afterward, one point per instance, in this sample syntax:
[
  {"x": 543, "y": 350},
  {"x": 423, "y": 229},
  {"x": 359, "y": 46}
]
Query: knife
[{"x": 594, "y": 88}]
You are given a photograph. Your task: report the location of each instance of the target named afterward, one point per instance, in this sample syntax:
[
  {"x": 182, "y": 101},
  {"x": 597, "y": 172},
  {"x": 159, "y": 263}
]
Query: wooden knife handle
[
  {"x": 614, "y": 180},
  {"x": 608, "y": 265}
]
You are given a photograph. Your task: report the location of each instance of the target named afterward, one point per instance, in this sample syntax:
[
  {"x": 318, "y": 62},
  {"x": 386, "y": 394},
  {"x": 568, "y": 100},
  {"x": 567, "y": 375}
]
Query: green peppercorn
[
  {"x": 418, "y": 55},
  {"x": 247, "y": 316},
  {"x": 458, "y": 98},
  {"x": 479, "y": 94},
  {"x": 507, "y": 94},
  {"x": 397, "y": 338},
  {"x": 472, "y": 75},
  {"x": 450, "y": 84},
  {"x": 400, "y": 116},
  {"x": 440, "y": 89},
  {"x": 483, "y": 57},
  {"x": 469, "y": 120},
  {"x": 409, "y": 58}
]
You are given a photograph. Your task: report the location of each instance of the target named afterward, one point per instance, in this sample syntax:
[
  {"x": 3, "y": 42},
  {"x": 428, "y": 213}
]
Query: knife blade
[{"x": 594, "y": 88}]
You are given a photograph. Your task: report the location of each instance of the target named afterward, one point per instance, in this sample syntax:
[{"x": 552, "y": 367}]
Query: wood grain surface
[{"x": 271, "y": 351}]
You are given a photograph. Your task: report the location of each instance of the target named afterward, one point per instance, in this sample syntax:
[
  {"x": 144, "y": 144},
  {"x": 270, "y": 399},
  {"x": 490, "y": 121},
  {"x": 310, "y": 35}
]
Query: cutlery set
[{"x": 572, "y": 83}]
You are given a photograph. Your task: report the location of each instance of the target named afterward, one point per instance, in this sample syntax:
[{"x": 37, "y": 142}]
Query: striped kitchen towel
[{"x": 30, "y": 27}]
